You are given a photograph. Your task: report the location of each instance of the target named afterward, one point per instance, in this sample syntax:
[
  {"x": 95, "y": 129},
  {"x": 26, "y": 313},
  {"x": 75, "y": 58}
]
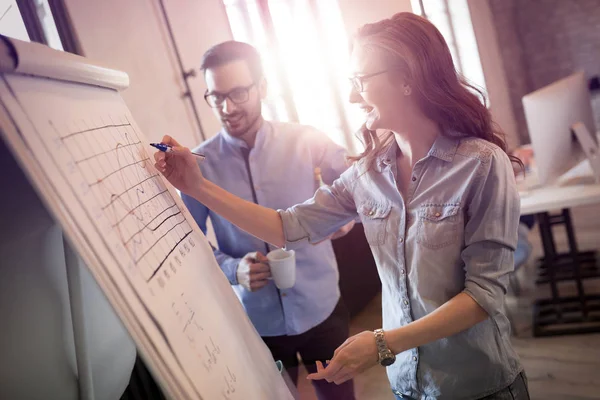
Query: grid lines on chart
[{"x": 110, "y": 155}]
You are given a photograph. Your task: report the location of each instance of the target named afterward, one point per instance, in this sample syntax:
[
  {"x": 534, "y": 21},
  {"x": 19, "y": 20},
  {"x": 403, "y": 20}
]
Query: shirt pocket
[
  {"x": 374, "y": 217},
  {"x": 438, "y": 225}
]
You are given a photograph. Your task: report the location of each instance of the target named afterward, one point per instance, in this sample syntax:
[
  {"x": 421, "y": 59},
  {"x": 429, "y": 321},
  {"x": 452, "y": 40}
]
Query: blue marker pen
[{"x": 167, "y": 148}]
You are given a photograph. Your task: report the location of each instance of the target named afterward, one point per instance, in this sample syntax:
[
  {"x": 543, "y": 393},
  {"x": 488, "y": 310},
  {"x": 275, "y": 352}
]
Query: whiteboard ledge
[{"x": 37, "y": 59}]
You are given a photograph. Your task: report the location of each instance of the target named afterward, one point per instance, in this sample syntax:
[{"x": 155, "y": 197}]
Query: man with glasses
[{"x": 272, "y": 164}]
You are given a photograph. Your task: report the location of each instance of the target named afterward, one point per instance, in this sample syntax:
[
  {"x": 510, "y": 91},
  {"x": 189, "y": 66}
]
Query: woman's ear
[
  {"x": 399, "y": 79},
  {"x": 401, "y": 84}
]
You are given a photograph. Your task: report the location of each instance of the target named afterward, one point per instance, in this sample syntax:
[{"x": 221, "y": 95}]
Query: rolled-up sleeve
[
  {"x": 314, "y": 220},
  {"x": 491, "y": 233}
]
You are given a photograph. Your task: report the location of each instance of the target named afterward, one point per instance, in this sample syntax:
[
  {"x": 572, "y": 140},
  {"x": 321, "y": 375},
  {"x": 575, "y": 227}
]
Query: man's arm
[{"x": 228, "y": 264}]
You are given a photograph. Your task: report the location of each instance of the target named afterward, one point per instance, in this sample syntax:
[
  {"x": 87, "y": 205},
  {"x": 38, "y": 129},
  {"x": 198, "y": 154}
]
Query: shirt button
[
  {"x": 402, "y": 271},
  {"x": 414, "y": 358},
  {"x": 371, "y": 213},
  {"x": 405, "y": 302},
  {"x": 401, "y": 240},
  {"x": 414, "y": 178},
  {"x": 437, "y": 214}
]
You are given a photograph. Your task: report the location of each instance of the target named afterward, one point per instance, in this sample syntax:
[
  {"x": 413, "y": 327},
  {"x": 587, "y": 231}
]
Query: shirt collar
[
  {"x": 386, "y": 157},
  {"x": 240, "y": 143},
  {"x": 444, "y": 147}
]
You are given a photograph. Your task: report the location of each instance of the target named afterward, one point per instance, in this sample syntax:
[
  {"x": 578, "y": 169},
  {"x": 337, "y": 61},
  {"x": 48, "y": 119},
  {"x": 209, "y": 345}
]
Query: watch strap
[{"x": 382, "y": 347}]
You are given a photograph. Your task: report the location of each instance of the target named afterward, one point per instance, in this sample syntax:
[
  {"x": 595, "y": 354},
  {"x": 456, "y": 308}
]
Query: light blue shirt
[
  {"x": 455, "y": 231},
  {"x": 282, "y": 168}
]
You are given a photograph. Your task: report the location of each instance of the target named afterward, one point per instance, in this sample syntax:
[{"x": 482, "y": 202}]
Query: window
[
  {"x": 29, "y": 20},
  {"x": 453, "y": 19},
  {"x": 11, "y": 22},
  {"x": 304, "y": 49},
  {"x": 48, "y": 25}
]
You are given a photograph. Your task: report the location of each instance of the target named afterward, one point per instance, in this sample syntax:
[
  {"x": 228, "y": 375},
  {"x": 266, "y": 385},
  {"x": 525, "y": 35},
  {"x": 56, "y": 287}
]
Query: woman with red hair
[{"x": 435, "y": 192}]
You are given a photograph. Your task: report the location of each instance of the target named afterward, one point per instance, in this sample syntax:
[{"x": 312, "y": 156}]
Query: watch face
[{"x": 388, "y": 360}]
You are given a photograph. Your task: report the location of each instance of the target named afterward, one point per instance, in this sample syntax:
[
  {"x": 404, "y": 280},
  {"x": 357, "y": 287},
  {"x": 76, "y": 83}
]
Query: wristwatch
[{"x": 386, "y": 357}]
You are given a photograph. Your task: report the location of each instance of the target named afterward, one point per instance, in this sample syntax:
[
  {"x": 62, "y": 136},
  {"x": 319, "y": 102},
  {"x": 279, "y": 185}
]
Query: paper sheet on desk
[{"x": 580, "y": 174}]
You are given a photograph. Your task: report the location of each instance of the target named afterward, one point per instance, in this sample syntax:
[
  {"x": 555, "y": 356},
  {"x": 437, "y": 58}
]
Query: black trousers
[
  {"x": 518, "y": 390},
  {"x": 318, "y": 343}
]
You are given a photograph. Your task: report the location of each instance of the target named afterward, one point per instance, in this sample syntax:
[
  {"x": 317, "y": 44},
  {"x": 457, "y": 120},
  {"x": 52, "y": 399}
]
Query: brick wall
[{"x": 542, "y": 41}]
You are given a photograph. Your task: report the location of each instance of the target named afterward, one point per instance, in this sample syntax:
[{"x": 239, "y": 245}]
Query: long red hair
[{"x": 417, "y": 48}]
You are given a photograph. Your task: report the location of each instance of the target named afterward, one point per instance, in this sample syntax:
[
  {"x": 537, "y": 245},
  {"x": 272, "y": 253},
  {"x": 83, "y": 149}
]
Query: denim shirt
[
  {"x": 278, "y": 172},
  {"x": 455, "y": 231}
]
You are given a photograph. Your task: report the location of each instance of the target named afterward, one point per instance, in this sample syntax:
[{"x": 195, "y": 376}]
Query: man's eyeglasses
[
  {"x": 359, "y": 80},
  {"x": 238, "y": 95}
]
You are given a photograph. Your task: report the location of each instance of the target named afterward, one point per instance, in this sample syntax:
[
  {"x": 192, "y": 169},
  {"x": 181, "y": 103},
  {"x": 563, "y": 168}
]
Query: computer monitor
[{"x": 551, "y": 112}]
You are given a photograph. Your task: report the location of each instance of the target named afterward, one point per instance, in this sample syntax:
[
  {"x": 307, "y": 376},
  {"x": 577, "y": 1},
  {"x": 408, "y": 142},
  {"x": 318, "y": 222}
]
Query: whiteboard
[{"x": 74, "y": 136}]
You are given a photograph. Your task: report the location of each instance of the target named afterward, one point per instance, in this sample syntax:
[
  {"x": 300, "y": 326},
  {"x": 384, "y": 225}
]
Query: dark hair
[
  {"x": 418, "y": 47},
  {"x": 229, "y": 51}
]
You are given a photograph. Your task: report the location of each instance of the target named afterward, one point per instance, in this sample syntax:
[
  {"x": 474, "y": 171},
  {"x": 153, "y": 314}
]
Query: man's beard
[{"x": 242, "y": 130}]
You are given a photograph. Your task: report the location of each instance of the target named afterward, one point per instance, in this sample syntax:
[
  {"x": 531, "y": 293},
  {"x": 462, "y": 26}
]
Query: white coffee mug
[{"x": 283, "y": 267}]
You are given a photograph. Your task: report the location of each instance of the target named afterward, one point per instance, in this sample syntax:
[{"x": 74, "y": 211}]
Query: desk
[
  {"x": 558, "y": 197},
  {"x": 560, "y": 314}
]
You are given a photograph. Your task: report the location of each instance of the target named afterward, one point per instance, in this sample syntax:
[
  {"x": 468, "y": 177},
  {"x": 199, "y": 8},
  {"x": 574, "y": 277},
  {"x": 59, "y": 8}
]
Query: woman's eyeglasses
[{"x": 359, "y": 80}]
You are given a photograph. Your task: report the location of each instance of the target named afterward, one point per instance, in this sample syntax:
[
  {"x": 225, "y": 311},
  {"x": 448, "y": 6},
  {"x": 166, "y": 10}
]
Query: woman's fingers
[
  {"x": 320, "y": 371},
  {"x": 326, "y": 373},
  {"x": 170, "y": 141},
  {"x": 159, "y": 161}
]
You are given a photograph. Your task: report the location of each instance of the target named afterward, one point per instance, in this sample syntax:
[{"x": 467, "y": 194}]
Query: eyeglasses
[
  {"x": 237, "y": 95},
  {"x": 359, "y": 81}
]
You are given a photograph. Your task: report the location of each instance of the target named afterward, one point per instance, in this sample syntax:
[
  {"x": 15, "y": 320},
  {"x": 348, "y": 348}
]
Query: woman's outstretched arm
[{"x": 180, "y": 168}]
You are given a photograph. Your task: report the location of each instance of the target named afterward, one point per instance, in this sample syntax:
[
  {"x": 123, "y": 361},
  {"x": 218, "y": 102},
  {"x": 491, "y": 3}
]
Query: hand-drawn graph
[
  {"x": 141, "y": 212},
  {"x": 111, "y": 157}
]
